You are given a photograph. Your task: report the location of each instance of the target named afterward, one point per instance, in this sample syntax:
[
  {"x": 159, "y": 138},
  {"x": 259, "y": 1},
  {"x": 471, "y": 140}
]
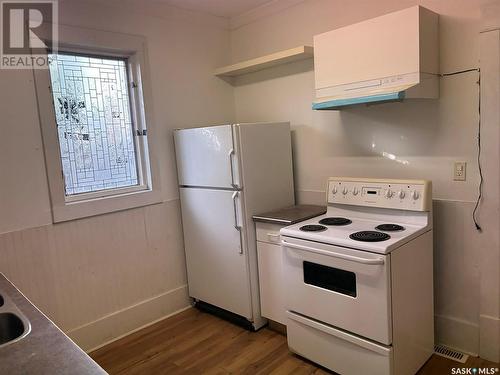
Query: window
[
  {"x": 94, "y": 103},
  {"x": 94, "y": 122}
]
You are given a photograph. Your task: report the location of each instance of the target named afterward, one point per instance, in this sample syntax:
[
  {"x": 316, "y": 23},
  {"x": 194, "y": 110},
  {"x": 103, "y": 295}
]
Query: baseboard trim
[
  {"x": 489, "y": 338},
  {"x": 118, "y": 324},
  {"x": 457, "y": 334},
  {"x": 138, "y": 329}
]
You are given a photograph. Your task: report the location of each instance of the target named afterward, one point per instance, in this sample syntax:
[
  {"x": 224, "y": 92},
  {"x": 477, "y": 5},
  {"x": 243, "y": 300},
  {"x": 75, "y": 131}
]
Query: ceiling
[{"x": 221, "y": 8}]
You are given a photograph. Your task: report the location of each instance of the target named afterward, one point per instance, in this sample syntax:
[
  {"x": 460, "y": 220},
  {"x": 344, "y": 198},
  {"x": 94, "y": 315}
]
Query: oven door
[{"x": 348, "y": 289}]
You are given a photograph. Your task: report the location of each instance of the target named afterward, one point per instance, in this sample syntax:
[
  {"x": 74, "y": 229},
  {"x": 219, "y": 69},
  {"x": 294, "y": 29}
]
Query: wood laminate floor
[{"x": 194, "y": 342}]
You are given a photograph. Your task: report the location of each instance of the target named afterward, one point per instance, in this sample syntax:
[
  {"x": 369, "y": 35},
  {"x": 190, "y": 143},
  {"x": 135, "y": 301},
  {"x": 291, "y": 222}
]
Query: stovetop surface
[{"x": 340, "y": 235}]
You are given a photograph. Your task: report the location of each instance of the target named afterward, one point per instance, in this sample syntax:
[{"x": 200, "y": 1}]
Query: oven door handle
[{"x": 351, "y": 258}]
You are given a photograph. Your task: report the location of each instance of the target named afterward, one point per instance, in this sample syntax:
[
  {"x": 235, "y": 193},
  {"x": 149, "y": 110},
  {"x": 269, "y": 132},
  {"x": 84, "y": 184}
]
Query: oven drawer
[
  {"x": 337, "y": 350},
  {"x": 344, "y": 288}
]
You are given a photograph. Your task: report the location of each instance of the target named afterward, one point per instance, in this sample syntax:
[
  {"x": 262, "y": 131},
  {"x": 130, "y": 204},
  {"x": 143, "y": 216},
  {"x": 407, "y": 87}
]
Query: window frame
[
  {"x": 139, "y": 144},
  {"x": 113, "y": 45}
]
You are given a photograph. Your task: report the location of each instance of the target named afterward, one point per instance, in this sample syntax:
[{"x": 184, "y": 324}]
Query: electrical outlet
[{"x": 459, "y": 171}]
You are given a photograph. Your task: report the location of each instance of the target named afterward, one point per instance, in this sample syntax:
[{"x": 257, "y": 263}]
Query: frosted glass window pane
[{"x": 94, "y": 126}]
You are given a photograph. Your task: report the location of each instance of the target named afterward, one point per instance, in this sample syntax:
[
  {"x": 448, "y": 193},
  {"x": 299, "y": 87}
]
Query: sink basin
[
  {"x": 11, "y": 327},
  {"x": 13, "y": 324}
]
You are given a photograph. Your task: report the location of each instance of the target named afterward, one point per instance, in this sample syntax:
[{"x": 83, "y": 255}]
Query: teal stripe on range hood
[{"x": 339, "y": 103}]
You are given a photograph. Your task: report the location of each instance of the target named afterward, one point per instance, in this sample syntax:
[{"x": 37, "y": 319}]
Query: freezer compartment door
[
  {"x": 216, "y": 253},
  {"x": 207, "y": 157}
]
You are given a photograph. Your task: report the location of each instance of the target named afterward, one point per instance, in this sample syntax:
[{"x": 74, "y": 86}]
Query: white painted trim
[
  {"x": 489, "y": 338},
  {"x": 453, "y": 200},
  {"x": 457, "y": 334},
  {"x": 312, "y": 191},
  {"x": 126, "y": 308},
  {"x": 267, "y": 9},
  {"x": 134, "y": 48},
  {"x": 111, "y": 327},
  {"x": 18, "y": 230},
  {"x": 105, "y": 193},
  {"x": 163, "y": 11},
  {"x": 489, "y": 245},
  {"x": 88, "y": 351}
]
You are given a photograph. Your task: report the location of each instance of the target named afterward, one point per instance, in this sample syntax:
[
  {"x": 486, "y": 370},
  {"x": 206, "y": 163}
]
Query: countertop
[
  {"x": 46, "y": 349},
  {"x": 290, "y": 215}
]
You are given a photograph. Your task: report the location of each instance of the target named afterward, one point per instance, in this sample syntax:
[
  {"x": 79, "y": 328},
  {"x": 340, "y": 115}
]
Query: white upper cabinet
[{"x": 382, "y": 55}]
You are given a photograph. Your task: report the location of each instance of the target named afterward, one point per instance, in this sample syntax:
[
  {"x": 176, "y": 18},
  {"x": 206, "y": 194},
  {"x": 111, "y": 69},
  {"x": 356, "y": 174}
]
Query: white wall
[
  {"x": 426, "y": 136},
  {"x": 101, "y": 277}
]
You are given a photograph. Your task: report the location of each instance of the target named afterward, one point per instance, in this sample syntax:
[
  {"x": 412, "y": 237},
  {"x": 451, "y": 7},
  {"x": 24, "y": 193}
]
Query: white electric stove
[{"x": 359, "y": 278}]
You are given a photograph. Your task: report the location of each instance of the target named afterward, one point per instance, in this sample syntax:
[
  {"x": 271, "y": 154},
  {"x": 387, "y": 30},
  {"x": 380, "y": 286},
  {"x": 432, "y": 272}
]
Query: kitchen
[{"x": 113, "y": 270}]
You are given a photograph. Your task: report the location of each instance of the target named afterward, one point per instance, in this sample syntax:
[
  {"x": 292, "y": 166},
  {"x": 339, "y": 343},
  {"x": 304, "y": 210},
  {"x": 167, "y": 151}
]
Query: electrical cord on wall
[
  {"x": 480, "y": 192},
  {"x": 459, "y": 72},
  {"x": 480, "y": 195}
]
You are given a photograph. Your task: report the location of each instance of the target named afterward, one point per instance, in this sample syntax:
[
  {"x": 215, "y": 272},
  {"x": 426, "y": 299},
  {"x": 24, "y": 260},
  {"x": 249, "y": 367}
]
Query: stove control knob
[
  {"x": 389, "y": 193},
  {"x": 401, "y": 194},
  {"x": 355, "y": 191},
  {"x": 334, "y": 190},
  {"x": 345, "y": 191},
  {"x": 415, "y": 195}
]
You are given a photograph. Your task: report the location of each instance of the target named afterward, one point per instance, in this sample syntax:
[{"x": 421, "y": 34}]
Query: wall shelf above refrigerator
[{"x": 264, "y": 62}]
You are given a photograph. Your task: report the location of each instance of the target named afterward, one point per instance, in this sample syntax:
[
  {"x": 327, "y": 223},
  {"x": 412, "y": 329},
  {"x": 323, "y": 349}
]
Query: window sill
[
  {"x": 109, "y": 193},
  {"x": 102, "y": 205}
]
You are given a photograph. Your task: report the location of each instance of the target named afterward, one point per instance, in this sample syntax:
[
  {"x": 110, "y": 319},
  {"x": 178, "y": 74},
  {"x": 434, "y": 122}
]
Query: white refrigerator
[{"x": 227, "y": 174}]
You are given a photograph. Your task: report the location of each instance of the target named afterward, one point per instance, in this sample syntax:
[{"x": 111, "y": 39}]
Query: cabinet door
[
  {"x": 272, "y": 301},
  {"x": 267, "y": 232},
  {"x": 216, "y": 255}
]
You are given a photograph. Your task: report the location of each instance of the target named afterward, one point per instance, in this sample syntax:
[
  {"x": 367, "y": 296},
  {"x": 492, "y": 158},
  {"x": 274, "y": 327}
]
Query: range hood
[{"x": 388, "y": 58}]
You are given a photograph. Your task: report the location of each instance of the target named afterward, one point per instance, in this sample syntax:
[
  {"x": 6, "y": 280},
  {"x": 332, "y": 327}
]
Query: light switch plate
[{"x": 459, "y": 171}]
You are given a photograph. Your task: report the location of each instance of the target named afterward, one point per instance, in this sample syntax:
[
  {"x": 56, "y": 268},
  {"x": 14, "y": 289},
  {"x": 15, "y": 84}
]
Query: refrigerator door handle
[
  {"x": 231, "y": 158},
  {"x": 236, "y": 226}
]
